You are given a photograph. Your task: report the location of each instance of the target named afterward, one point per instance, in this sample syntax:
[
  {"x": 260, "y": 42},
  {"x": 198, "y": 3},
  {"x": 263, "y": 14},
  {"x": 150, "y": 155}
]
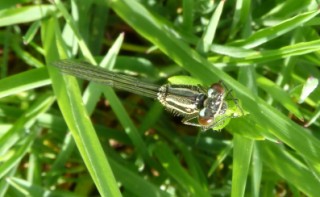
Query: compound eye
[
  {"x": 204, "y": 121},
  {"x": 217, "y": 87},
  {"x": 204, "y": 118}
]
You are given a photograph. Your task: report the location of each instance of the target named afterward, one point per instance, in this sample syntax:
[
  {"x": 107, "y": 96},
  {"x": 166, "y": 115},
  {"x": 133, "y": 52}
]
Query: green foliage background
[{"x": 61, "y": 136}]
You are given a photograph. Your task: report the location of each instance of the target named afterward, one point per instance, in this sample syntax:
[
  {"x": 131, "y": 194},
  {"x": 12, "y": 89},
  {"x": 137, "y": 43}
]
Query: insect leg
[{"x": 187, "y": 120}]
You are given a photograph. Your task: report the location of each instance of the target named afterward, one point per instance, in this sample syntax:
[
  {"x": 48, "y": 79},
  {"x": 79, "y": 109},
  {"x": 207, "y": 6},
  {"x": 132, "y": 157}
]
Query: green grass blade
[
  {"x": 25, "y": 122},
  {"x": 31, "y": 32},
  {"x": 28, "y": 189},
  {"x": 135, "y": 183},
  {"x": 288, "y": 8},
  {"x": 247, "y": 57},
  {"x": 256, "y": 171},
  {"x": 241, "y": 161},
  {"x": 25, "y": 14},
  {"x": 24, "y": 81},
  {"x": 19, "y": 153},
  {"x": 171, "y": 164},
  {"x": 289, "y": 167},
  {"x": 67, "y": 149},
  {"x": 279, "y": 95},
  {"x": 275, "y": 31},
  {"x": 4, "y": 185},
  {"x": 70, "y": 103},
  {"x": 85, "y": 50},
  {"x": 220, "y": 158},
  {"x": 208, "y": 36},
  {"x": 241, "y": 19}
]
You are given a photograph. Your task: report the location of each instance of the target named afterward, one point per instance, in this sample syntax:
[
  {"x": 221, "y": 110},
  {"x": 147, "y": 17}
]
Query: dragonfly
[{"x": 199, "y": 106}]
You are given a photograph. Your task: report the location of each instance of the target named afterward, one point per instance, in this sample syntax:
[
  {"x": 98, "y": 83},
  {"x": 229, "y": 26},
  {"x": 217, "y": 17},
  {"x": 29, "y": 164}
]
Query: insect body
[{"x": 197, "y": 105}]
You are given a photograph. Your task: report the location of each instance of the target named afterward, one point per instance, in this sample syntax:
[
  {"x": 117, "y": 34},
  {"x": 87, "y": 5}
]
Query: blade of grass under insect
[
  {"x": 70, "y": 102},
  {"x": 276, "y": 123},
  {"x": 24, "y": 81}
]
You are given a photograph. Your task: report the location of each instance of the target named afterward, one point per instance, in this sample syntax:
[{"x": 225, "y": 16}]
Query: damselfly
[{"x": 199, "y": 106}]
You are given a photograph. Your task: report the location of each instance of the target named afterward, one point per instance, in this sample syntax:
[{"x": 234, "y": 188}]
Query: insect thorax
[{"x": 183, "y": 100}]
